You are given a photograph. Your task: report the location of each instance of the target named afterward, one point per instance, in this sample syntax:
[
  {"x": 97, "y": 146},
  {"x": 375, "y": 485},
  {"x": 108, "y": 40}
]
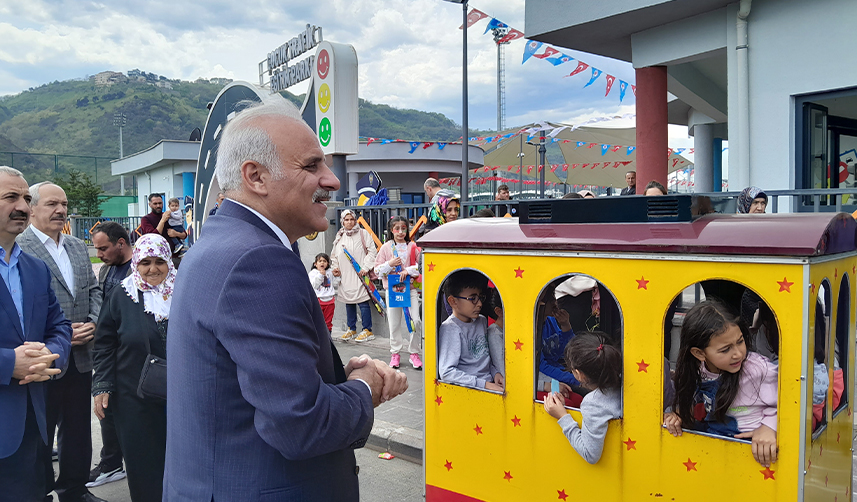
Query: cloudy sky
[{"x": 409, "y": 51}]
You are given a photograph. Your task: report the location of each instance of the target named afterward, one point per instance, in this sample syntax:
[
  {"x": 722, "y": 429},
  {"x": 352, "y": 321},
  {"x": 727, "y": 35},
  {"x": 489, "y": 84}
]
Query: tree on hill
[{"x": 82, "y": 193}]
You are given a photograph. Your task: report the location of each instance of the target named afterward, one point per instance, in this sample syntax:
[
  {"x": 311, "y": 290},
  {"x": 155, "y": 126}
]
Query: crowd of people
[{"x": 247, "y": 331}]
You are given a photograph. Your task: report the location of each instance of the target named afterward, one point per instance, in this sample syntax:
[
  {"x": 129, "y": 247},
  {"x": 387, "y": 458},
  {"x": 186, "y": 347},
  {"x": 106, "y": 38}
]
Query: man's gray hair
[
  {"x": 11, "y": 171},
  {"x": 431, "y": 182},
  {"x": 34, "y": 191},
  {"x": 241, "y": 140}
]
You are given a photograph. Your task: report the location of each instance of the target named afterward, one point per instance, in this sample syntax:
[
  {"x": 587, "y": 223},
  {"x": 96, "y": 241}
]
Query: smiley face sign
[
  {"x": 324, "y": 98},
  {"x": 322, "y": 63},
  {"x": 325, "y": 131}
]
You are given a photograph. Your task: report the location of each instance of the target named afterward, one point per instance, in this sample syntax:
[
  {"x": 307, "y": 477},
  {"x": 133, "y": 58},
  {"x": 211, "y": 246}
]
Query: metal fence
[
  {"x": 81, "y": 227},
  {"x": 810, "y": 200}
]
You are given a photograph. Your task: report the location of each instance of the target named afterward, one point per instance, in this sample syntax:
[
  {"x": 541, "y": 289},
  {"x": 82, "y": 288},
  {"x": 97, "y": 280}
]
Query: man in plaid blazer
[{"x": 76, "y": 288}]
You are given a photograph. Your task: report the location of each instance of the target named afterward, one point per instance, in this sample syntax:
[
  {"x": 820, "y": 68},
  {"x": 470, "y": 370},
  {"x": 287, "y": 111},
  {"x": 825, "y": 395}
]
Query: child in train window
[
  {"x": 463, "y": 356},
  {"x": 721, "y": 387},
  {"x": 496, "y": 343},
  {"x": 556, "y": 332},
  {"x": 820, "y": 378},
  {"x": 597, "y": 365}
]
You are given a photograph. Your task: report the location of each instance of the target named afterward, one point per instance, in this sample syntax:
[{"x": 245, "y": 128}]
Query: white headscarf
[{"x": 156, "y": 299}]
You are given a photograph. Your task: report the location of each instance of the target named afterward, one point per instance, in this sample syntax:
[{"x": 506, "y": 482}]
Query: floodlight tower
[
  {"x": 499, "y": 33},
  {"x": 119, "y": 120}
]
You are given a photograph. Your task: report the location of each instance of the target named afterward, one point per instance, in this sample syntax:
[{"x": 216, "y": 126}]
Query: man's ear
[
  {"x": 698, "y": 353},
  {"x": 255, "y": 177}
]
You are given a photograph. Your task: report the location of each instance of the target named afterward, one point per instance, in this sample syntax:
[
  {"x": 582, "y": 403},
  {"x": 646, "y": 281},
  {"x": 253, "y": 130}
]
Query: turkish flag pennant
[
  {"x": 583, "y": 166},
  {"x": 610, "y": 80},
  {"x": 485, "y": 169},
  {"x": 565, "y": 167},
  {"x": 513, "y": 35},
  {"x": 553, "y": 167},
  {"x": 690, "y": 152},
  {"x": 426, "y": 145},
  {"x": 616, "y": 164},
  {"x": 580, "y": 67},
  {"x": 574, "y": 166},
  {"x": 540, "y": 168},
  {"x": 510, "y": 168},
  {"x": 669, "y": 152},
  {"x": 590, "y": 145},
  {"x": 369, "y": 141},
  {"x": 529, "y": 169},
  {"x": 549, "y": 51},
  {"x": 518, "y": 169},
  {"x": 616, "y": 148},
  {"x": 474, "y": 17},
  {"x": 634, "y": 90}
]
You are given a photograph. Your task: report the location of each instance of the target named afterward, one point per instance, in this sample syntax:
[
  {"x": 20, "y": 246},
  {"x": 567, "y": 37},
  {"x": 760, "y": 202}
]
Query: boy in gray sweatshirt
[{"x": 463, "y": 356}]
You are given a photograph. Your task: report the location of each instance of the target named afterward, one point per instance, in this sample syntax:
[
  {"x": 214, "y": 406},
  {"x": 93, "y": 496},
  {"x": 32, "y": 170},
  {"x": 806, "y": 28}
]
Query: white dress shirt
[{"x": 60, "y": 256}]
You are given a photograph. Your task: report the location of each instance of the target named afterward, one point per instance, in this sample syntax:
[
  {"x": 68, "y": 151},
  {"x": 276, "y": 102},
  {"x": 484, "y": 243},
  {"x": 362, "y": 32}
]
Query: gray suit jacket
[{"x": 86, "y": 304}]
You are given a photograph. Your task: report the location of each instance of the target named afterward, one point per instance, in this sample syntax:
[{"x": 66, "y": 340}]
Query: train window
[
  {"x": 568, "y": 307},
  {"x": 709, "y": 327},
  {"x": 470, "y": 352},
  {"x": 820, "y": 375},
  {"x": 840, "y": 358}
]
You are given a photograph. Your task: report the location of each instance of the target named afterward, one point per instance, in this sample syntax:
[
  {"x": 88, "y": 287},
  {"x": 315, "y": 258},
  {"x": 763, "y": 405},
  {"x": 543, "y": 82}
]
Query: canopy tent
[{"x": 596, "y": 156}]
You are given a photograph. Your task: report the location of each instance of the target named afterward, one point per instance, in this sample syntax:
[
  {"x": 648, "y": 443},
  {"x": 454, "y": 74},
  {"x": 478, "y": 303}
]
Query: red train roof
[{"x": 805, "y": 234}]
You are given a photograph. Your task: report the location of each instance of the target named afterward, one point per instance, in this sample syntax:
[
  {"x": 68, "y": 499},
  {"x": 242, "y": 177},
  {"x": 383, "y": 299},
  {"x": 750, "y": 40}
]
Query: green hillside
[{"x": 74, "y": 119}]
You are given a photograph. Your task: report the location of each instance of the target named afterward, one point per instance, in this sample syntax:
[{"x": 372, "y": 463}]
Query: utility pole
[
  {"x": 119, "y": 120},
  {"x": 542, "y": 151}
]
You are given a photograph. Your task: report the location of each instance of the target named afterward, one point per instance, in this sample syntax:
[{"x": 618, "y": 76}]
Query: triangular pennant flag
[
  {"x": 414, "y": 146},
  {"x": 690, "y": 152},
  {"x": 530, "y": 49},
  {"x": 604, "y": 149},
  {"x": 529, "y": 169},
  {"x": 579, "y": 144},
  {"x": 623, "y": 86},
  {"x": 565, "y": 167},
  {"x": 631, "y": 150},
  {"x": 562, "y": 58},
  {"x": 595, "y": 74},
  {"x": 549, "y": 51},
  {"x": 610, "y": 80},
  {"x": 584, "y": 166},
  {"x": 680, "y": 150},
  {"x": 574, "y": 166},
  {"x": 634, "y": 90},
  {"x": 493, "y": 23},
  {"x": 474, "y": 17},
  {"x": 428, "y": 144},
  {"x": 590, "y": 145},
  {"x": 580, "y": 67},
  {"x": 369, "y": 141},
  {"x": 616, "y": 164},
  {"x": 513, "y": 35},
  {"x": 616, "y": 148},
  {"x": 554, "y": 167},
  {"x": 540, "y": 168},
  {"x": 385, "y": 141}
]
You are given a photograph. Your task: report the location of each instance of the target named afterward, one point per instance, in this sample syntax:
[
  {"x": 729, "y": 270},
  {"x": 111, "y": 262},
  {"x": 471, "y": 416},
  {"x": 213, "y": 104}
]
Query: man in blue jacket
[
  {"x": 259, "y": 405},
  {"x": 35, "y": 340}
]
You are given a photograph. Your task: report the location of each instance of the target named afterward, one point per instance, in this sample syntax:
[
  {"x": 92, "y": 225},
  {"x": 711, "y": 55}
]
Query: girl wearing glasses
[{"x": 400, "y": 257}]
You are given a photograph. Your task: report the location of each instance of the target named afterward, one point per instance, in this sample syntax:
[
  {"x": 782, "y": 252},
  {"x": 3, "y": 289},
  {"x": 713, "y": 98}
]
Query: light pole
[
  {"x": 465, "y": 137},
  {"x": 119, "y": 120}
]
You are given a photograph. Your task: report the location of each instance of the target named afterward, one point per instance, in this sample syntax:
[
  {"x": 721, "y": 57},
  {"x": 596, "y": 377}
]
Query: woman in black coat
[{"x": 132, "y": 325}]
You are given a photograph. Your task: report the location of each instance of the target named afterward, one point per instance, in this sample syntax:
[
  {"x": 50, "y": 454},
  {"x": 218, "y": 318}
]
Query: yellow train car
[{"x": 503, "y": 446}]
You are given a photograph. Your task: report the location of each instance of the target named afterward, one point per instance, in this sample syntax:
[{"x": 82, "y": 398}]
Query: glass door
[{"x": 815, "y": 141}]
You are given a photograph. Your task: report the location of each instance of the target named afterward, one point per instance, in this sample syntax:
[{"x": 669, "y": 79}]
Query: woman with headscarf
[
  {"x": 351, "y": 291},
  {"x": 752, "y": 201},
  {"x": 132, "y": 325},
  {"x": 443, "y": 211}
]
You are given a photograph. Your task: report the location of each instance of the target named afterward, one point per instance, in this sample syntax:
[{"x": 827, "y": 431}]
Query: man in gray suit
[{"x": 76, "y": 288}]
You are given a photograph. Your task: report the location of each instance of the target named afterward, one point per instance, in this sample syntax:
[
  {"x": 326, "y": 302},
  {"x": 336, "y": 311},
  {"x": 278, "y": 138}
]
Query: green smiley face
[{"x": 325, "y": 131}]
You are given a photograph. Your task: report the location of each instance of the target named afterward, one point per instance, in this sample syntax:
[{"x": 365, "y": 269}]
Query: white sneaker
[{"x": 107, "y": 477}]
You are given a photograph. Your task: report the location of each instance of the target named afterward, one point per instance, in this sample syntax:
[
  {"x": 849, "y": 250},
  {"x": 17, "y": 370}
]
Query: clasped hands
[
  {"x": 385, "y": 382},
  {"x": 82, "y": 333},
  {"x": 33, "y": 361}
]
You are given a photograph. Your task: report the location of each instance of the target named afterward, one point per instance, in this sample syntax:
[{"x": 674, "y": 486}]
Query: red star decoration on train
[
  {"x": 630, "y": 444},
  {"x": 478, "y": 429},
  {"x": 691, "y": 466},
  {"x": 642, "y": 366},
  {"x": 507, "y": 475},
  {"x": 854, "y": 269},
  {"x": 435, "y": 381},
  {"x": 837, "y": 437},
  {"x": 785, "y": 285},
  {"x": 518, "y": 344},
  {"x": 849, "y": 412},
  {"x": 516, "y": 421},
  {"x": 448, "y": 466},
  {"x": 519, "y": 273},
  {"x": 812, "y": 289},
  {"x": 768, "y": 473},
  {"x": 561, "y": 495},
  {"x": 431, "y": 267},
  {"x": 835, "y": 273},
  {"x": 809, "y": 465},
  {"x": 820, "y": 450},
  {"x": 642, "y": 283},
  {"x": 439, "y": 400}
]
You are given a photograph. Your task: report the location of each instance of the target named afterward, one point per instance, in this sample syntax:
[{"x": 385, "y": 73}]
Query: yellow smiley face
[{"x": 323, "y": 98}]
